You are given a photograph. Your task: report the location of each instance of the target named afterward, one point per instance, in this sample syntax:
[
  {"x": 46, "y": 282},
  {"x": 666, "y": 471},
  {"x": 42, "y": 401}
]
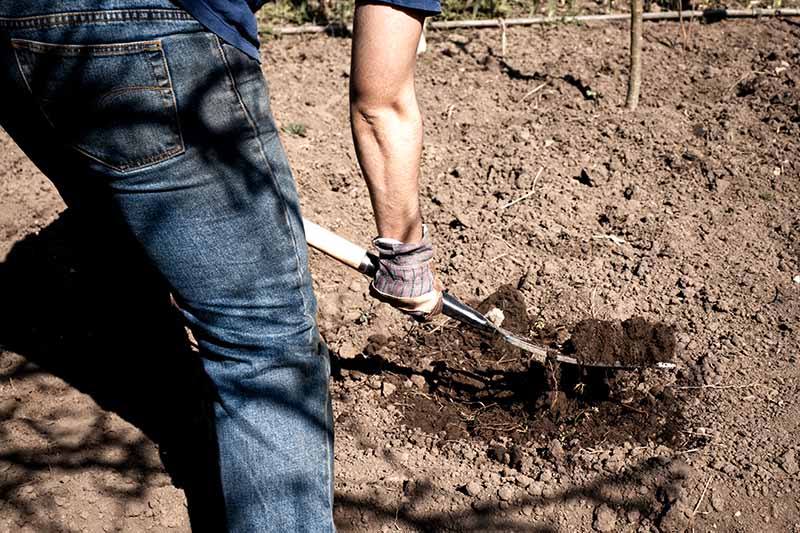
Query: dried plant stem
[{"x": 635, "y": 78}]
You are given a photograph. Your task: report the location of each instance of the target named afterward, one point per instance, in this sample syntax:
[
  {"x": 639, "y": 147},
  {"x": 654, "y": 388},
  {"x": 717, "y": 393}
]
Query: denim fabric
[{"x": 133, "y": 104}]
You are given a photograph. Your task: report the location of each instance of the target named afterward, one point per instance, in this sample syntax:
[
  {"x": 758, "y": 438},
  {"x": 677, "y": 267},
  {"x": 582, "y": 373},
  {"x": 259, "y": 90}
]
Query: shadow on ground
[
  {"x": 79, "y": 302},
  {"x": 662, "y": 484}
]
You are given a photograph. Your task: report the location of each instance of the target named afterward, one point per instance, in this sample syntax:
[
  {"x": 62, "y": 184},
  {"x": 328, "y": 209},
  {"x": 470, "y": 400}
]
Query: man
[{"x": 158, "y": 113}]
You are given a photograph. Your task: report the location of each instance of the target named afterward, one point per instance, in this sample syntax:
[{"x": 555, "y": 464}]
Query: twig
[
  {"x": 502, "y": 37},
  {"x": 692, "y": 450},
  {"x": 632, "y": 408},
  {"x": 503, "y": 360},
  {"x": 635, "y": 70},
  {"x": 613, "y": 238},
  {"x": 526, "y": 195},
  {"x": 683, "y": 29},
  {"x": 538, "y": 174},
  {"x": 700, "y": 501},
  {"x": 498, "y": 257},
  {"x": 437, "y": 328},
  {"x": 534, "y": 91},
  {"x": 716, "y": 386}
]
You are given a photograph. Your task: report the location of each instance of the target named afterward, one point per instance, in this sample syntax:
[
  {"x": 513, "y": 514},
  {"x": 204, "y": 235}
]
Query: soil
[
  {"x": 633, "y": 341},
  {"x": 683, "y": 213}
]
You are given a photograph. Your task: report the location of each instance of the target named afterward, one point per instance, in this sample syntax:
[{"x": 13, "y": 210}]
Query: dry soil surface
[{"x": 684, "y": 212}]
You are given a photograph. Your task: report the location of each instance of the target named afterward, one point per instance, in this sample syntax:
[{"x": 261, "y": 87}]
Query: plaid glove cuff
[{"x": 404, "y": 270}]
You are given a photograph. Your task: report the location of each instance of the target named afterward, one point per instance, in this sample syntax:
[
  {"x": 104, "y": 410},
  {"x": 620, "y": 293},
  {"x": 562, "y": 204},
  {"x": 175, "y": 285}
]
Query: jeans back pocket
[{"x": 112, "y": 102}]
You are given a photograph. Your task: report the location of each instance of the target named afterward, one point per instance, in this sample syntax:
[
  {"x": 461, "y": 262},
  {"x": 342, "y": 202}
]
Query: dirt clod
[
  {"x": 473, "y": 488},
  {"x": 634, "y": 342},
  {"x": 605, "y": 519}
]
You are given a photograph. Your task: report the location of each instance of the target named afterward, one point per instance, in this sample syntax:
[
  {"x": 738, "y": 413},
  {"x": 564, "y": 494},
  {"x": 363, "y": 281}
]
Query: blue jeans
[{"x": 132, "y": 105}]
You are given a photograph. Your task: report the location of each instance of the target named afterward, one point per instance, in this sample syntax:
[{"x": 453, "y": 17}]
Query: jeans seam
[
  {"x": 282, "y": 196},
  {"x": 93, "y": 17},
  {"x": 174, "y": 98},
  {"x": 329, "y": 445}
]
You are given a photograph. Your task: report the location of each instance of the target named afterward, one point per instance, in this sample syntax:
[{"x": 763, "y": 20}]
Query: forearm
[{"x": 385, "y": 118}]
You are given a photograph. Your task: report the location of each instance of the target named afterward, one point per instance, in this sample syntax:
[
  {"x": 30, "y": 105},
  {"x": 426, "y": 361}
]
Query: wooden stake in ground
[{"x": 635, "y": 78}]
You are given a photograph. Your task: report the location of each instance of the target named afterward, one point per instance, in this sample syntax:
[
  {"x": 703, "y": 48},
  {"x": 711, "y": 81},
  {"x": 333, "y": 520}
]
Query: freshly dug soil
[
  {"x": 632, "y": 342},
  {"x": 480, "y": 386}
]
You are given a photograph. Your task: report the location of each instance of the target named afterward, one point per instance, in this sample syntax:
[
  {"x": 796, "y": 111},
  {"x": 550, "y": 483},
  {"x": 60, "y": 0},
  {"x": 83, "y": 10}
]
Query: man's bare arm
[
  {"x": 385, "y": 118},
  {"x": 387, "y": 130}
]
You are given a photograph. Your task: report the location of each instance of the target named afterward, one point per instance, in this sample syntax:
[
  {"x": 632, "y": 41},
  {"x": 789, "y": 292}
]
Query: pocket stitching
[
  {"x": 90, "y": 50},
  {"x": 113, "y": 16},
  {"x": 135, "y": 47}
]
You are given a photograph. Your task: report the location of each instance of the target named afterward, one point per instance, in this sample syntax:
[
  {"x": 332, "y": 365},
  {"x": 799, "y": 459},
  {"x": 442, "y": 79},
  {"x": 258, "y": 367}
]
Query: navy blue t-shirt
[{"x": 235, "y": 22}]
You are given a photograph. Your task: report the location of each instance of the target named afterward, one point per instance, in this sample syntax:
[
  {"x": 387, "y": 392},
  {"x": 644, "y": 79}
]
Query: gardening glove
[{"x": 405, "y": 279}]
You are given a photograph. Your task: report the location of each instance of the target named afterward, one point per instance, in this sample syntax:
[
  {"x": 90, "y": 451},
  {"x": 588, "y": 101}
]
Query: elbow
[{"x": 374, "y": 106}]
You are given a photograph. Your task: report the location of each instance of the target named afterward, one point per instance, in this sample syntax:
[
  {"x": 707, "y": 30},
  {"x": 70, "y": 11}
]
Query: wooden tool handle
[{"x": 340, "y": 248}]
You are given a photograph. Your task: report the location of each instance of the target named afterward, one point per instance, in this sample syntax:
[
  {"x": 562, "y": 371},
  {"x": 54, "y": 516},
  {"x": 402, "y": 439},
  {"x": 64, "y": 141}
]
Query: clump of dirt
[
  {"x": 509, "y": 300},
  {"x": 634, "y": 342},
  {"x": 464, "y": 384}
]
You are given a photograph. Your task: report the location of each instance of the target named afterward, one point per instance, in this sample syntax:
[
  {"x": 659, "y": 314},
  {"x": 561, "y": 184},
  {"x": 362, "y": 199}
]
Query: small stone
[
  {"x": 605, "y": 519},
  {"x": 505, "y": 493},
  {"x": 527, "y": 510},
  {"x": 496, "y": 316},
  {"x": 352, "y": 316},
  {"x": 418, "y": 381},
  {"x": 388, "y": 389},
  {"x": 536, "y": 489},
  {"x": 473, "y": 488},
  {"x": 556, "y": 450},
  {"x": 789, "y": 463},
  {"x": 721, "y": 306},
  {"x": 717, "y": 501},
  {"x": 640, "y": 270},
  {"x": 348, "y": 350},
  {"x": 796, "y": 279}
]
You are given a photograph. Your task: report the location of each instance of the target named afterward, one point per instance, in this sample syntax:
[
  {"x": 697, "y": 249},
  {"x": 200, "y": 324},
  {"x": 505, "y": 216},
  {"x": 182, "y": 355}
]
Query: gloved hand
[{"x": 405, "y": 279}]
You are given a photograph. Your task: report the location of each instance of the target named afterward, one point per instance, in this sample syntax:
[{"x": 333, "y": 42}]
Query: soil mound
[
  {"x": 463, "y": 384},
  {"x": 634, "y": 342}
]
